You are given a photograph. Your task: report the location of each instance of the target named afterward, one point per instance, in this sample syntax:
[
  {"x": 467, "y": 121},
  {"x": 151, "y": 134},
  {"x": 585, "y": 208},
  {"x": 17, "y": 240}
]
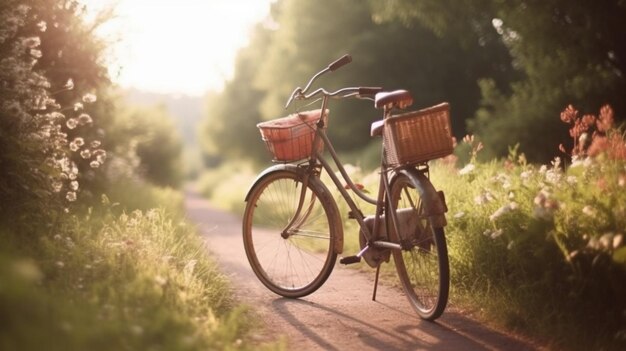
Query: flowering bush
[
  {"x": 545, "y": 245},
  {"x": 42, "y": 141}
]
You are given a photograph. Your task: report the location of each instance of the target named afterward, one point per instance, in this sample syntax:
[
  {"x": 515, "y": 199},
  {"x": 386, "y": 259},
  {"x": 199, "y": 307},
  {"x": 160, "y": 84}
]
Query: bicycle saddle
[{"x": 397, "y": 98}]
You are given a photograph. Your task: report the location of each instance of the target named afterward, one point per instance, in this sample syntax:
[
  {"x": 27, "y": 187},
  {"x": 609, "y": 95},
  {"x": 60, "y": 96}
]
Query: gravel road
[{"x": 341, "y": 314}]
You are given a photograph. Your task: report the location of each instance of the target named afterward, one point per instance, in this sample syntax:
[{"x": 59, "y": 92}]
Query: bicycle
[{"x": 292, "y": 228}]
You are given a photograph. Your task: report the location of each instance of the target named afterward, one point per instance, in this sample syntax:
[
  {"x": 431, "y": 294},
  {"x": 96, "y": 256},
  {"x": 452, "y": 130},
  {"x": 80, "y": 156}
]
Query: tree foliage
[
  {"x": 302, "y": 37},
  {"x": 565, "y": 52}
]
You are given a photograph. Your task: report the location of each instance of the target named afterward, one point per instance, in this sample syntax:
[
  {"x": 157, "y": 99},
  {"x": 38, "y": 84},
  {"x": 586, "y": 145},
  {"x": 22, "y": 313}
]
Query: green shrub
[{"x": 139, "y": 280}]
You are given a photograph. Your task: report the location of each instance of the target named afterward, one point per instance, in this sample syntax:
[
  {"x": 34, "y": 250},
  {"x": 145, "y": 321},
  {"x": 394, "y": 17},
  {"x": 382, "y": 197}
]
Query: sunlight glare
[{"x": 179, "y": 46}]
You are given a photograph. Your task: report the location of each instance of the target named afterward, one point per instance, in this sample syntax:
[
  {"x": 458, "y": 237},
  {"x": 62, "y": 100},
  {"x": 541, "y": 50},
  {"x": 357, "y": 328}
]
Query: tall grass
[{"x": 110, "y": 279}]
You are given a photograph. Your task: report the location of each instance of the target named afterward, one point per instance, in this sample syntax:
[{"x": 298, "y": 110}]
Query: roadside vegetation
[
  {"x": 537, "y": 249},
  {"x": 95, "y": 253}
]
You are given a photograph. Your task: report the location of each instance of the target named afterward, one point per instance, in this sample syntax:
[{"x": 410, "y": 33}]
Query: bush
[{"x": 139, "y": 280}]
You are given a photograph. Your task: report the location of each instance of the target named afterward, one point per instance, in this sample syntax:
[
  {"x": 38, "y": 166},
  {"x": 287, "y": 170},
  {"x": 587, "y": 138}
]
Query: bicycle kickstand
[{"x": 376, "y": 282}]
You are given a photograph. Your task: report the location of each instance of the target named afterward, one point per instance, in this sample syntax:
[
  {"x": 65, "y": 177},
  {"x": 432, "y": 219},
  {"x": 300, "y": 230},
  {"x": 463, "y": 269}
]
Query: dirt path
[{"x": 341, "y": 314}]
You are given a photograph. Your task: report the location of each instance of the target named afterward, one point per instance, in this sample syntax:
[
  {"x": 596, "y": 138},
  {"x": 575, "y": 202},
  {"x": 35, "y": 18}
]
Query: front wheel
[
  {"x": 296, "y": 261},
  {"x": 422, "y": 264}
]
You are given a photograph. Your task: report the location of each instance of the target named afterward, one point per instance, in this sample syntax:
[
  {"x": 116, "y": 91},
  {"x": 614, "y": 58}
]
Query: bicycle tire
[
  {"x": 298, "y": 264},
  {"x": 422, "y": 264}
]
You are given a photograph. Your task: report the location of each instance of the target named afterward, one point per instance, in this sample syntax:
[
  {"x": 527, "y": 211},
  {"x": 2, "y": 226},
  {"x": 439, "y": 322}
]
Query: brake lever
[{"x": 296, "y": 94}]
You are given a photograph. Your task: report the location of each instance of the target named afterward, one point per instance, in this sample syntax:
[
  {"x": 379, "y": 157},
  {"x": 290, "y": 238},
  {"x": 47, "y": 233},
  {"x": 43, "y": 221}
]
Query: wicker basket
[
  {"x": 418, "y": 136},
  {"x": 291, "y": 138}
]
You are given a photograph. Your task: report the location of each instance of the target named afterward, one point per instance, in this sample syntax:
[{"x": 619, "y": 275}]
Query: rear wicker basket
[
  {"x": 291, "y": 138},
  {"x": 418, "y": 136}
]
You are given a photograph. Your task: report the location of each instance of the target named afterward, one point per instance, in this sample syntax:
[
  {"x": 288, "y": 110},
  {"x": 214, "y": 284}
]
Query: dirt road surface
[{"x": 341, "y": 314}]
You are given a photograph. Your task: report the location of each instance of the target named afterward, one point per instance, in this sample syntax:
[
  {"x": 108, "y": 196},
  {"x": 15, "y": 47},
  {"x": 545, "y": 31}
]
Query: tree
[
  {"x": 565, "y": 52},
  {"x": 305, "y": 37}
]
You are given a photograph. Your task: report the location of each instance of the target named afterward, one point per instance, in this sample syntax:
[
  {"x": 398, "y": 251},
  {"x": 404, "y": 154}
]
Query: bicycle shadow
[{"x": 452, "y": 331}]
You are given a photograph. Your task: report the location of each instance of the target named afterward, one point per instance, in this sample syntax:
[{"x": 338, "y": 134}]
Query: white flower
[
  {"x": 571, "y": 180},
  {"x": 71, "y": 196},
  {"x": 69, "y": 85},
  {"x": 469, "y": 168},
  {"x": 502, "y": 210},
  {"x": 71, "y": 123},
  {"x": 525, "y": 175},
  {"x": 89, "y": 98},
  {"x": 589, "y": 211}
]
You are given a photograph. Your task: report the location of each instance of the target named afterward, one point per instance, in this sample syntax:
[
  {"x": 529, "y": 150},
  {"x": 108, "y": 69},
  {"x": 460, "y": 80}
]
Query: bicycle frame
[{"x": 316, "y": 159}]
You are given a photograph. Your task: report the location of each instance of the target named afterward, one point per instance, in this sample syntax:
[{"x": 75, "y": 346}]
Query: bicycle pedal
[{"x": 350, "y": 260}]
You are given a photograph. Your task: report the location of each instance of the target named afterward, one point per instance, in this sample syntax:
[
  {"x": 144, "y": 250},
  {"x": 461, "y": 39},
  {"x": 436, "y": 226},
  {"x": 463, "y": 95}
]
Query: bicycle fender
[
  {"x": 434, "y": 201},
  {"x": 335, "y": 218}
]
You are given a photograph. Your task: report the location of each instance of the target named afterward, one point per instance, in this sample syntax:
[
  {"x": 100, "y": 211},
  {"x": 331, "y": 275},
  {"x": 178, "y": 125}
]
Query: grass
[{"x": 110, "y": 279}]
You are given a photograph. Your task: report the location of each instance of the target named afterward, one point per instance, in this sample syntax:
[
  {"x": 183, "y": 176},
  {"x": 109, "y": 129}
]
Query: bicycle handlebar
[
  {"x": 344, "y": 60},
  {"x": 358, "y": 92}
]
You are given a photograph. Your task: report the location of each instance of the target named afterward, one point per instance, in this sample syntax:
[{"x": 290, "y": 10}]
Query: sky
[{"x": 177, "y": 46}]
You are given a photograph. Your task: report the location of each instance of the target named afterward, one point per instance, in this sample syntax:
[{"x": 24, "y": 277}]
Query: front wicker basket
[
  {"x": 418, "y": 136},
  {"x": 291, "y": 138}
]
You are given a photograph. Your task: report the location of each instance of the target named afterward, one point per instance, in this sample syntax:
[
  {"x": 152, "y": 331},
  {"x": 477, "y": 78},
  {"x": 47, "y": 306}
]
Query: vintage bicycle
[{"x": 292, "y": 227}]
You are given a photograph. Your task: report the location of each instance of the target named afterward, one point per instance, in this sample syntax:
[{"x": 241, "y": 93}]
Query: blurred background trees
[{"x": 507, "y": 69}]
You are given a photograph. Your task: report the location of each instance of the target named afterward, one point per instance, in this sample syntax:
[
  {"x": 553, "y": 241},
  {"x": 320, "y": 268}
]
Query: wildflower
[
  {"x": 572, "y": 180},
  {"x": 84, "y": 119},
  {"x": 42, "y": 25},
  {"x": 36, "y": 53},
  {"x": 510, "y": 245},
  {"x": 85, "y": 154},
  {"x": 502, "y": 210},
  {"x": 69, "y": 85},
  {"x": 605, "y": 120},
  {"x": 543, "y": 169},
  {"x": 31, "y": 42},
  {"x": 544, "y": 205},
  {"x": 467, "y": 169},
  {"x": 71, "y": 123},
  {"x": 74, "y": 146},
  {"x": 589, "y": 211},
  {"x": 569, "y": 114},
  {"x": 79, "y": 141},
  {"x": 56, "y": 186},
  {"x": 74, "y": 185},
  {"x": 459, "y": 215},
  {"x": 94, "y": 164},
  {"x": 496, "y": 233},
  {"x": 525, "y": 175},
  {"x": 89, "y": 98},
  {"x": 78, "y": 106},
  {"x": 493, "y": 233},
  {"x": 71, "y": 196}
]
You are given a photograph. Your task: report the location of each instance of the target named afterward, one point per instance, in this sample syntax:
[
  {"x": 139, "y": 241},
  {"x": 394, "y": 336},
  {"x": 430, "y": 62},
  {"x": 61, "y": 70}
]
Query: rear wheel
[
  {"x": 291, "y": 262},
  {"x": 422, "y": 264}
]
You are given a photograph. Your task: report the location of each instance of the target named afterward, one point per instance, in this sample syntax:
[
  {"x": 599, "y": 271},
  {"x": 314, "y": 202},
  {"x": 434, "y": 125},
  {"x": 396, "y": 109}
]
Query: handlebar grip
[
  {"x": 369, "y": 91},
  {"x": 344, "y": 60}
]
